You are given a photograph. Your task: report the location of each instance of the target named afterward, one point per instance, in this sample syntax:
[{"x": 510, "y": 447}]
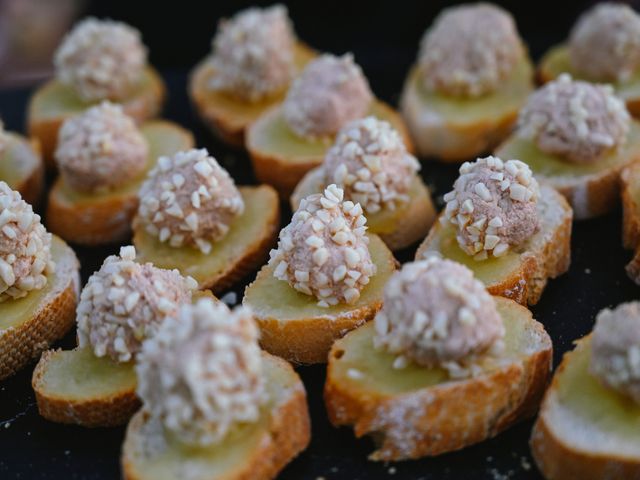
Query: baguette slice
[
  {"x": 226, "y": 116},
  {"x": 592, "y": 190},
  {"x": 102, "y": 218},
  {"x": 416, "y": 411},
  {"x": 281, "y": 158},
  {"x": 251, "y": 452},
  {"x": 399, "y": 228},
  {"x": 585, "y": 430},
  {"x": 521, "y": 274},
  {"x": 21, "y": 167},
  {"x": 456, "y": 129},
  {"x": 76, "y": 387},
  {"x": 30, "y": 324},
  {"x": 240, "y": 252},
  {"x": 54, "y": 102},
  {"x": 295, "y": 328},
  {"x": 556, "y": 61}
]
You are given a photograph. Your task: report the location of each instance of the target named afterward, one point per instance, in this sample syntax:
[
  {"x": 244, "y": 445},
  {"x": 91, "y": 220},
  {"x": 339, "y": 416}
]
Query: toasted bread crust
[
  {"x": 559, "y": 460},
  {"x": 279, "y": 171},
  {"x": 96, "y": 223},
  {"x": 444, "y": 418},
  {"x": 51, "y": 321},
  {"x": 630, "y": 183},
  {"x": 107, "y": 411},
  {"x": 308, "y": 341},
  {"x": 549, "y": 260},
  {"x": 289, "y": 433},
  {"x": 141, "y": 108}
]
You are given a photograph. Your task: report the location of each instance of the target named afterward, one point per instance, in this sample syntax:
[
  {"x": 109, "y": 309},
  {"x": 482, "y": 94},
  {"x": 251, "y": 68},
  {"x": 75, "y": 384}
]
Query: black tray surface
[{"x": 32, "y": 448}]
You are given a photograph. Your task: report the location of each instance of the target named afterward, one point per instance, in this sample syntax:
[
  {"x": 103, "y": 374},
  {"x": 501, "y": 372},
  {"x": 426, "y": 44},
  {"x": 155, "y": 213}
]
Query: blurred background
[{"x": 383, "y": 35}]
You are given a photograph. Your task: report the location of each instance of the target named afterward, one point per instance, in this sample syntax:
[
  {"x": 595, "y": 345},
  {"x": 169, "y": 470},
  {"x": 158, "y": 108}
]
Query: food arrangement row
[{"x": 426, "y": 357}]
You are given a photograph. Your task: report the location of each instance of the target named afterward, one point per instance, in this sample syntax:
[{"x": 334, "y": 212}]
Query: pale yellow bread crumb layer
[
  {"x": 22, "y": 168},
  {"x": 585, "y": 430},
  {"x": 76, "y": 387},
  {"x": 294, "y": 327},
  {"x": 103, "y": 218},
  {"x": 521, "y": 274},
  {"x": 226, "y": 116},
  {"x": 281, "y": 158},
  {"x": 256, "y": 451},
  {"x": 417, "y": 411},
  {"x": 591, "y": 190},
  {"x": 399, "y": 228},
  {"x": 453, "y": 129},
  {"x": 239, "y": 253},
  {"x": 54, "y": 102},
  {"x": 556, "y": 61},
  {"x": 29, "y": 325}
]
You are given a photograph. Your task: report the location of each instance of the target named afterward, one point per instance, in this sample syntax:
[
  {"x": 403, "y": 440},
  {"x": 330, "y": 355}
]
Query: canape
[
  {"x": 371, "y": 164},
  {"x": 103, "y": 158},
  {"x": 254, "y": 58},
  {"x": 193, "y": 217},
  {"x": 587, "y": 423},
  {"x": 21, "y": 165},
  {"x": 292, "y": 138},
  {"x": 324, "y": 279},
  {"x": 39, "y": 283},
  {"x": 513, "y": 234},
  {"x": 214, "y": 405},
  {"x": 98, "y": 60},
  {"x": 122, "y": 304},
  {"x": 443, "y": 365},
  {"x": 577, "y": 137},
  {"x": 604, "y": 46},
  {"x": 473, "y": 74}
]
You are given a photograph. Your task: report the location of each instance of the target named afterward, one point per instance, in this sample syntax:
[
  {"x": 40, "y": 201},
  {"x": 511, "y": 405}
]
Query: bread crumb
[{"x": 392, "y": 470}]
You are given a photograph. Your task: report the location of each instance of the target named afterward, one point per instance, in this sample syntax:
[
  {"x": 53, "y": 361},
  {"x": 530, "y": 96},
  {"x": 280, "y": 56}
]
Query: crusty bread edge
[
  {"x": 141, "y": 108},
  {"x": 289, "y": 434},
  {"x": 100, "y": 411},
  {"x": 528, "y": 283},
  {"x": 445, "y": 418},
  {"x": 53, "y": 318}
]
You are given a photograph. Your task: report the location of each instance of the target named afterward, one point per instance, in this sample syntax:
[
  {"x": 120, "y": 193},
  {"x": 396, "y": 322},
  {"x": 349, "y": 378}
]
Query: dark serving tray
[{"x": 31, "y": 447}]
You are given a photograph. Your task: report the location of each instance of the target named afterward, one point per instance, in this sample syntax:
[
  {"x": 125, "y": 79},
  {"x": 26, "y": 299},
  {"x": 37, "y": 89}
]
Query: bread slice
[
  {"x": 454, "y": 129},
  {"x": 399, "y": 228},
  {"x": 281, "y": 158},
  {"x": 584, "y": 429},
  {"x": 250, "y": 452},
  {"x": 105, "y": 217},
  {"x": 225, "y": 116},
  {"x": 30, "y": 324},
  {"x": 556, "y": 61},
  {"x": 54, "y": 102},
  {"x": 417, "y": 411},
  {"x": 522, "y": 273},
  {"x": 592, "y": 190},
  {"x": 239, "y": 253},
  {"x": 75, "y": 386},
  {"x": 21, "y": 167},
  {"x": 295, "y": 328},
  {"x": 630, "y": 193}
]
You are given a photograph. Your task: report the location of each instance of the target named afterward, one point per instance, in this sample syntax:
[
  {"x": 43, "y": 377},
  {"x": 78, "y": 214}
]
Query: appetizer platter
[{"x": 264, "y": 268}]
